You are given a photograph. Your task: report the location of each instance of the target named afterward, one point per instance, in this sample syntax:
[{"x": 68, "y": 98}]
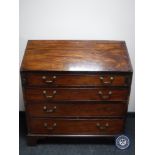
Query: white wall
[{"x": 78, "y": 19}]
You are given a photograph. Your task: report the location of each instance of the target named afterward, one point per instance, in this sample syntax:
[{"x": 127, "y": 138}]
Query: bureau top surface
[{"x": 76, "y": 55}]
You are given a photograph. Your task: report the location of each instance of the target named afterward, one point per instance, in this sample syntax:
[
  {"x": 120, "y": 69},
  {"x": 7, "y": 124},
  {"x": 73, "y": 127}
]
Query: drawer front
[
  {"x": 76, "y": 110},
  {"x": 47, "y": 79},
  {"x": 77, "y": 127},
  {"x": 82, "y": 94}
]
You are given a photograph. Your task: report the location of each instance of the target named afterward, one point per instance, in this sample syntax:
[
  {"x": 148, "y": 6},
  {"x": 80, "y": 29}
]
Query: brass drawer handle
[
  {"x": 102, "y": 127},
  {"x": 105, "y": 96},
  {"x": 50, "y": 128},
  {"x": 49, "y": 110},
  {"x": 48, "y": 81},
  {"x": 107, "y": 82},
  {"x": 49, "y": 96}
]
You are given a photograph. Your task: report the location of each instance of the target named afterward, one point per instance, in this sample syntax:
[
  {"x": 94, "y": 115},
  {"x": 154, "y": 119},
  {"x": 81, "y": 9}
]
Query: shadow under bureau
[{"x": 75, "y": 88}]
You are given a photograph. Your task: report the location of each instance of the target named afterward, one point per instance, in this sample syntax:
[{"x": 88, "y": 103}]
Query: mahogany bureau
[{"x": 75, "y": 88}]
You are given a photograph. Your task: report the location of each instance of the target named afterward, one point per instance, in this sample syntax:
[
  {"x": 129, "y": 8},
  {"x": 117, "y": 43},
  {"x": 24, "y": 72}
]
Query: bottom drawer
[{"x": 77, "y": 127}]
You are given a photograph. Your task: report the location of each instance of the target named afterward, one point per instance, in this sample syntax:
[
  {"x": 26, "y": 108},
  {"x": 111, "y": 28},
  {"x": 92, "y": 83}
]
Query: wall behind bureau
[{"x": 78, "y": 19}]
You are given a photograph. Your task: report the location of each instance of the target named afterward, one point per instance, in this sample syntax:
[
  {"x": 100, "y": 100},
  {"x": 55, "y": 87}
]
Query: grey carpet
[{"x": 76, "y": 146}]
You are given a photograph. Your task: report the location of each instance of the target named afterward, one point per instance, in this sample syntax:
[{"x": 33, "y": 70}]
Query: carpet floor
[{"x": 76, "y": 146}]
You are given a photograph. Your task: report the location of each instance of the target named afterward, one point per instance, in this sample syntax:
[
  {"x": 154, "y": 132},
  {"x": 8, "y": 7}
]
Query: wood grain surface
[{"x": 76, "y": 55}]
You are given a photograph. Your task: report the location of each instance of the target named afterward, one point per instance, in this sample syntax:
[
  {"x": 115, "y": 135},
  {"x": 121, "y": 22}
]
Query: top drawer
[{"x": 50, "y": 79}]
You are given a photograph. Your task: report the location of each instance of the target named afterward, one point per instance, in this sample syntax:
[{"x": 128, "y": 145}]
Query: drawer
[
  {"x": 77, "y": 127},
  {"x": 75, "y": 94},
  {"x": 76, "y": 109},
  {"x": 49, "y": 79}
]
